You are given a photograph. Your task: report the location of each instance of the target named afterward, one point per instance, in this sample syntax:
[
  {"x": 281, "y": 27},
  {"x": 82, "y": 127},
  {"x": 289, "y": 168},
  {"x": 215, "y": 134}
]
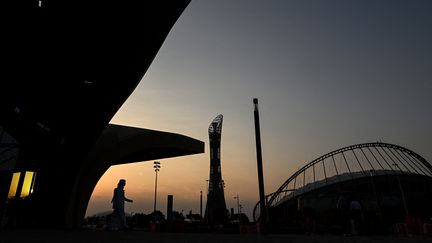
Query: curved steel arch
[{"x": 419, "y": 158}]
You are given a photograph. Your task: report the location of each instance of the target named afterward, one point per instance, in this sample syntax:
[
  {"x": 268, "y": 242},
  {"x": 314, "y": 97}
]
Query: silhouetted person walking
[
  {"x": 343, "y": 214},
  {"x": 356, "y": 215},
  {"x": 309, "y": 216},
  {"x": 118, "y": 218},
  {"x": 308, "y": 213}
]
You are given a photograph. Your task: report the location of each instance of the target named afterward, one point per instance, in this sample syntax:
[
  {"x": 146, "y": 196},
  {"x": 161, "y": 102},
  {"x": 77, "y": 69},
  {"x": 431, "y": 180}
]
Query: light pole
[
  {"x": 263, "y": 207},
  {"x": 238, "y": 203},
  {"x": 157, "y": 167}
]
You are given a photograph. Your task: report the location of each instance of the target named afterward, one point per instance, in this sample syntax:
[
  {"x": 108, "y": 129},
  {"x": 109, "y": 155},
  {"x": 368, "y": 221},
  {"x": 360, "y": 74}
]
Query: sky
[{"x": 328, "y": 74}]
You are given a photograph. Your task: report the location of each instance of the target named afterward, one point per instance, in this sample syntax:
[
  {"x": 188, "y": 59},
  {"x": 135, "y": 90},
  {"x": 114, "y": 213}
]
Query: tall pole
[
  {"x": 154, "y": 205},
  {"x": 206, "y": 218},
  {"x": 201, "y": 204},
  {"x": 263, "y": 209},
  {"x": 238, "y": 203},
  {"x": 157, "y": 167}
]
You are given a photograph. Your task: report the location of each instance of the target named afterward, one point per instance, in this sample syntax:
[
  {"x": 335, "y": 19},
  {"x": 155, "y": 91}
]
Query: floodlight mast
[
  {"x": 157, "y": 168},
  {"x": 263, "y": 208}
]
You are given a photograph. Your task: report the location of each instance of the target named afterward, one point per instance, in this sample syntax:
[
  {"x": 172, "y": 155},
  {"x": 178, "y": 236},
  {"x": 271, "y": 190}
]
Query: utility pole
[
  {"x": 157, "y": 167},
  {"x": 263, "y": 208}
]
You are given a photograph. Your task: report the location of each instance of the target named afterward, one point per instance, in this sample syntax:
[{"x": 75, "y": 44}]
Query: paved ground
[{"x": 89, "y": 236}]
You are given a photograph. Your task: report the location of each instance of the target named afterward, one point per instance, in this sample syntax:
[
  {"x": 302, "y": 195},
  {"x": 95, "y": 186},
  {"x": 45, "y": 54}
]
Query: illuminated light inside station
[
  {"x": 27, "y": 184},
  {"x": 14, "y": 184}
]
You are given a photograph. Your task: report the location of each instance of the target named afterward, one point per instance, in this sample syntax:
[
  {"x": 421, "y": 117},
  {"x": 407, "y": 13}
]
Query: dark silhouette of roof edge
[{"x": 125, "y": 144}]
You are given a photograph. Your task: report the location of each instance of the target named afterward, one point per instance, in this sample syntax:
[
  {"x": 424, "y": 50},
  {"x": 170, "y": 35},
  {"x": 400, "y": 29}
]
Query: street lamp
[{"x": 157, "y": 167}]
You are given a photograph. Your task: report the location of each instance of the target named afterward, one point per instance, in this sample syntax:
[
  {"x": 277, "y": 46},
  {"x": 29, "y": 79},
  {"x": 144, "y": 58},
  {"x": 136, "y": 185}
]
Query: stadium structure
[
  {"x": 392, "y": 183},
  {"x": 68, "y": 66}
]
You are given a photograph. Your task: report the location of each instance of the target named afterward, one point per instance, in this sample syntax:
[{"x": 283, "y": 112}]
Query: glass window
[
  {"x": 27, "y": 187},
  {"x": 14, "y": 184}
]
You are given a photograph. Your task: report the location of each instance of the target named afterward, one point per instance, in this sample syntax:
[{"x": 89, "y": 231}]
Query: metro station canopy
[{"x": 68, "y": 66}]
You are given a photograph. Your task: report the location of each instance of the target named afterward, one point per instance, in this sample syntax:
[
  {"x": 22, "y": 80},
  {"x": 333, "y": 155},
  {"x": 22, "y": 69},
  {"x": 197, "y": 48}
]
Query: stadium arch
[{"x": 391, "y": 181}]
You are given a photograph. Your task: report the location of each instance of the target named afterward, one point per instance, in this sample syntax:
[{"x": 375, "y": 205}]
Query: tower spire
[{"x": 216, "y": 212}]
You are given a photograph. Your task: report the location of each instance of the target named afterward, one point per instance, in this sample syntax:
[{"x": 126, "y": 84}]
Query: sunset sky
[{"x": 327, "y": 74}]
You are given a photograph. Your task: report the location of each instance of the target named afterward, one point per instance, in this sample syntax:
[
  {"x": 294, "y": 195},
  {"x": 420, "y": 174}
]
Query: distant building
[{"x": 216, "y": 211}]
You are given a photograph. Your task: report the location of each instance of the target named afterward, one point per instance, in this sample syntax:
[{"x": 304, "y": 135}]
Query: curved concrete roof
[
  {"x": 68, "y": 66},
  {"x": 120, "y": 145},
  {"x": 129, "y": 144}
]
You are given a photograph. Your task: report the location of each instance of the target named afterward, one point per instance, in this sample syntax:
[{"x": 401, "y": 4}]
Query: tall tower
[{"x": 216, "y": 212}]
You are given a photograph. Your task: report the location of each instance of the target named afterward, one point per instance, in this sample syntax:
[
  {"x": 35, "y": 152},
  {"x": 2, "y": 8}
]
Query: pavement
[{"x": 97, "y": 236}]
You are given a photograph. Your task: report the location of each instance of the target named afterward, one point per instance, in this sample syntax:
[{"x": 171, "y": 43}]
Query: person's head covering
[{"x": 121, "y": 182}]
